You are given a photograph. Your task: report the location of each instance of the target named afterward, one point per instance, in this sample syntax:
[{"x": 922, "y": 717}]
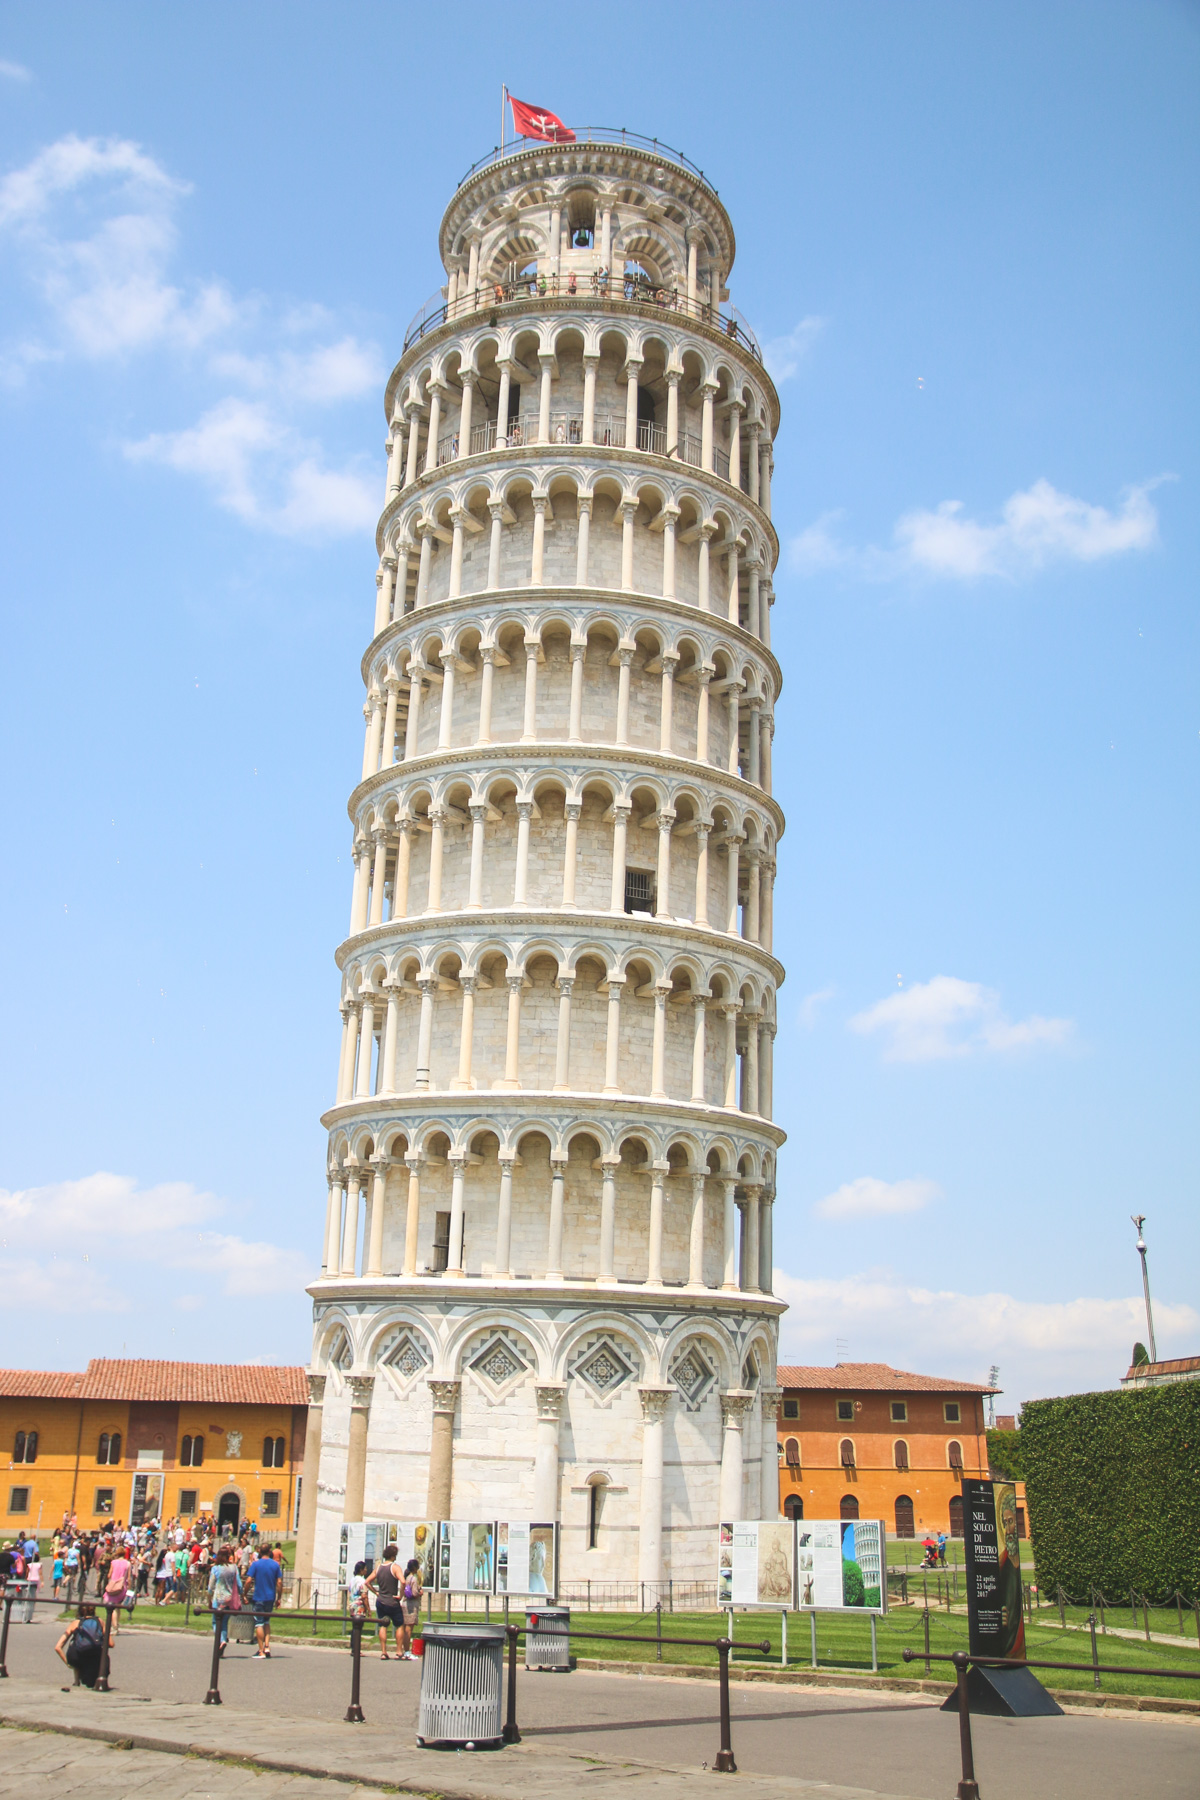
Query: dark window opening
[
  {"x": 793, "y": 1507},
  {"x": 1020, "y": 1521},
  {"x": 849, "y": 1506},
  {"x": 954, "y": 1454},
  {"x": 791, "y": 1452},
  {"x": 595, "y": 1507},
  {"x": 906, "y": 1525},
  {"x": 639, "y": 891},
  {"x": 270, "y": 1503},
  {"x": 25, "y": 1447},
  {"x": 191, "y": 1452},
  {"x": 952, "y": 1412},
  {"x": 847, "y": 1454},
  {"x": 791, "y": 1409},
  {"x": 187, "y": 1501},
  {"x": 845, "y": 1410},
  {"x": 104, "y": 1501},
  {"x": 109, "y": 1448},
  {"x": 441, "y": 1242},
  {"x": 18, "y": 1500},
  {"x": 956, "y": 1516},
  {"x": 899, "y": 1412},
  {"x": 901, "y": 1454}
]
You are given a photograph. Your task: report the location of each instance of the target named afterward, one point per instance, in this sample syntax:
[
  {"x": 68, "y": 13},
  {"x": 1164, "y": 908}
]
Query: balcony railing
[
  {"x": 629, "y": 290},
  {"x": 592, "y": 134},
  {"x": 608, "y": 431}
]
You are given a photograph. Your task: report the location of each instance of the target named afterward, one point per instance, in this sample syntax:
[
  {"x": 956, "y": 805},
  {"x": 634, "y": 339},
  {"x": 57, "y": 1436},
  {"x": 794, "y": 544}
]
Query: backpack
[{"x": 85, "y": 1641}]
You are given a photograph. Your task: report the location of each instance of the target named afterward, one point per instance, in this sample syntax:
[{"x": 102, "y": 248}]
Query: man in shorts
[{"x": 262, "y": 1584}]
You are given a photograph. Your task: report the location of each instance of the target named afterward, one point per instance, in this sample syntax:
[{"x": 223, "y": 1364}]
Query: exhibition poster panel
[
  {"x": 756, "y": 1563},
  {"x": 417, "y": 1537},
  {"x": 995, "y": 1620},
  {"x": 841, "y": 1564}
]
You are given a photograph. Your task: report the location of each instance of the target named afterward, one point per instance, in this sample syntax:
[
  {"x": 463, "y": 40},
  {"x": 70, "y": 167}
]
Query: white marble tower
[{"x": 546, "y": 1280}]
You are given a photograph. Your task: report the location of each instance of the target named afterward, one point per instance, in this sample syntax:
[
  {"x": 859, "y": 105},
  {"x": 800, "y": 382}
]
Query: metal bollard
[
  {"x": 658, "y": 1628},
  {"x": 510, "y": 1734},
  {"x": 354, "y": 1712},
  {"x": 102, "y": 1678},
  {"x": 1095, "y": 1653},
  {"x": 968, "y": 1787},
  {"x": 213, "y": 1696},
  {"x": 927, "y": 1643},
  {"x": 8, "y": 1606},
  {"x": 725, "y": 1764}
]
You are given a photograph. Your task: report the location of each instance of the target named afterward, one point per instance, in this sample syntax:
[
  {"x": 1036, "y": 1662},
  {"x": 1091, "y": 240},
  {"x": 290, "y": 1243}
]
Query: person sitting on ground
[
  {"x": 384, "y": 1583},
  {"x": 81, "y": 1645},
  {"x": 263, "y": 1580}
]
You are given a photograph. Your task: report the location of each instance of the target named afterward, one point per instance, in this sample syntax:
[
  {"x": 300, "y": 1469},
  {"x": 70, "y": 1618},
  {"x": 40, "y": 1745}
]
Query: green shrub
[
  {"x": 853, "y": 1590},
  {"x": 1113, "y": 1484},
  {"x": 1005, "y": 1454}
]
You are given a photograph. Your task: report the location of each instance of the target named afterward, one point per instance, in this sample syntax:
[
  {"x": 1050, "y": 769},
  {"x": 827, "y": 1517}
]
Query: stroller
[{"x": 931, "y": 1553}]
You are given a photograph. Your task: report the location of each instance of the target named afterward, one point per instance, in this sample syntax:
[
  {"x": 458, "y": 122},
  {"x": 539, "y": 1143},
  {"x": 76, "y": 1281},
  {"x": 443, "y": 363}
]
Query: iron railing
[
  {"x": 591, "y": 134},
  {"x": 608, "y": 431},
  {"x": 629, "y": 290}
]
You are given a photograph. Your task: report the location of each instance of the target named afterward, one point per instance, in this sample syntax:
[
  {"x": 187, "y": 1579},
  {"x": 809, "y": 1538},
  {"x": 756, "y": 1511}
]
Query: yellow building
[{"x": 133, "y": 1440}]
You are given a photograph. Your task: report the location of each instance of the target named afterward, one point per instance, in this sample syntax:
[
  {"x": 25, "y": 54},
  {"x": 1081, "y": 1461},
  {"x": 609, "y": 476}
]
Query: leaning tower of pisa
[{"x": 546, "y": 1280}]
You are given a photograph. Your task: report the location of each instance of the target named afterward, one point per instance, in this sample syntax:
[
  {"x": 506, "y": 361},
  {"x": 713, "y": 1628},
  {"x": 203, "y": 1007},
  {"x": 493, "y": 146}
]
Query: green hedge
[
  {"x": 1006, "y": 1453},
  {"x": 1113, "y": 1484}
]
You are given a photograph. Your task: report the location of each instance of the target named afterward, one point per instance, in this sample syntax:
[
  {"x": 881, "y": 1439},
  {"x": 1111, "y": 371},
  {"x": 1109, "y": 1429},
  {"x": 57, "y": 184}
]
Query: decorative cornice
[
  {"x": 544, "y": 1103},
  {"x": 472, "y": 1292}
]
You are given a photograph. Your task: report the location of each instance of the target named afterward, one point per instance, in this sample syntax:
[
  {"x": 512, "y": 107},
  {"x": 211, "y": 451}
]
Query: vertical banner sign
[
  {"x": 146, "y": 1503},
  {"x": 995, "y": 1620}
]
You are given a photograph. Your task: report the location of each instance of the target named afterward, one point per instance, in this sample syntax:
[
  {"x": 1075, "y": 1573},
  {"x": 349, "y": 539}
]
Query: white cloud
[
  {"x": 72, "y": 1245},
  {"x": 1042, "y": 1346},
  {"x": 94, "y": 222},
  {"x": 14, "y": 71},
  {"x": 809, "y": 1009},
  {"x": 870, "y": 1198},
  {"x": 1037, "y": 526},
  {"x": 949, "y": 1017},
  {"x": 783, "y": 355}
]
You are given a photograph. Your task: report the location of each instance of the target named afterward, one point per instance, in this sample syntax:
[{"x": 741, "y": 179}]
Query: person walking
[
  {"x": 941, "y": 1547},
  {"x": 81, "y": 1645},
  {"x": 384, "y": 1582},
  {"x": 224, "y": 1593},
  {"x": 57, "y": 1572},
  {"x": 410, "y": 1608},
  {"x": 263, "y": 1579},
  {"x": 33, "y": 1581},
  {"x": 116, "y": 1586}
]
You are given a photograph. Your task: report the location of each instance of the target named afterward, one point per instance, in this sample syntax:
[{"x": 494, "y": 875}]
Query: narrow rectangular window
[
  {"x": 791, "y": 1409},
  {"x": 187, "y": 1501},
  {"x": 952, "y": 1412},
  {"x": 270, "y": 1503},
  {"x": 845, "y": 1410},
  {"x": 441, "y": 1242},
  {"x": 18, "y": 1500},
  {"x": 104, "y": 1501},
  {"x": 899, "y": 1412},
  {"x": 280, "y": 1456},
  {"x": 639, "y": 891}
]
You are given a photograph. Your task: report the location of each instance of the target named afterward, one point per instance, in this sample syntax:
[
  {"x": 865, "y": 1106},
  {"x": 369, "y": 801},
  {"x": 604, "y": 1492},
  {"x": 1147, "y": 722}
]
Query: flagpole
[{"x": 503, "y": 104}]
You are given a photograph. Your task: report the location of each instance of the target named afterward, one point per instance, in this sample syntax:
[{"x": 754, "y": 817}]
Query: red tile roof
[
  {"x": 878, "y": 1377},
  {"x": 1176, "y": 1365},
  {"x": 107, "y": 1378}
]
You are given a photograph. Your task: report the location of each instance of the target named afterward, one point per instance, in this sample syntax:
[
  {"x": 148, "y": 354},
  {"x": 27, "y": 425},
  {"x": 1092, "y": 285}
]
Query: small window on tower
[{"x": 639, "y": 891}]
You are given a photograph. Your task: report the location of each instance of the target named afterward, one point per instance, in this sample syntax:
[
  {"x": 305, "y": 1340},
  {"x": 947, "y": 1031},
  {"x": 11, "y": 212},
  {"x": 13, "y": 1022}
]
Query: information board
[
  {"x": 756, "y": 1563},
  {"x": 466, "y": 1561},
  {"x": 526, "y": 1558},
  {"x": 417, "y": 1537},
  {"x": 841, "y": 1564},
  {"x": 995, "y": 1619}
]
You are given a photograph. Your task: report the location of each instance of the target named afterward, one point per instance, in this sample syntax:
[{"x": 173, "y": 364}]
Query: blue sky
[{"x": 967, "y": 236}]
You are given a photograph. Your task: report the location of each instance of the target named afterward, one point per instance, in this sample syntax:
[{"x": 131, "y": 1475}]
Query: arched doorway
[
  {"x": 229, "y": 1512},
  {"x": 905, "y": 1522},
  {"x": 849, "y": 1506},
  {"x": 956, "y": 1516},
  {"x": 793, "y": 1507}
]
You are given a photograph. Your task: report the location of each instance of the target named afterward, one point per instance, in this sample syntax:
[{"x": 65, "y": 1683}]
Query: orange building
[
  {"x": 134, "y": 1440},
  {"x": 862, "y": 1440}
]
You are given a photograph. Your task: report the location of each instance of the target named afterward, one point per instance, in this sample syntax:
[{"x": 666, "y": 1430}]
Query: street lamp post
[{"x": 1139, "y": 1220}]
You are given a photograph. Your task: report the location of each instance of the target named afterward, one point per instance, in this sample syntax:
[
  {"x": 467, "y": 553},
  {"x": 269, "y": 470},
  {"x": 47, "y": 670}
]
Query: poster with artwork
[
  {"x": 841, "y": 1564},
  {"x": 756, "y": 1562},
  {"x": 995, "y": 1620},
  {"x": 417, "y": 1537},
  {"x": 466, "y": 1560},
  {"x": 525, "y": 1558},
  {"x": 146, "y": 1503}
]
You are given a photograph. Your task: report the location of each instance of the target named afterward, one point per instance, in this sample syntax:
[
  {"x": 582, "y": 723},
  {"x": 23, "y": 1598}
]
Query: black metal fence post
[
  {"x": 725, "y": 1764},
  {"x": 1062, "y": 1609},
  {"x": 968, "y": 1787},
  {"x": 658, "y": 1628},
  {"x": 102, "y": 1677},
  {"x": 1146, "y": 1616},
  {"x": 927, "y": 1643},
  {"x": 1095, "y": 1652},
  {"x": 213, "y": 1696},
  {"x": 8, "y": 1606},
  {"x": 354, "y": 1712},
  {"x": 510, "y": 1733}
]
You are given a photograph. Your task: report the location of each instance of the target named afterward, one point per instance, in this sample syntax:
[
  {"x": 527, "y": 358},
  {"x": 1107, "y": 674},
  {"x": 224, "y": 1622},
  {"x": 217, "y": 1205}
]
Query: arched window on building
[
  {"x": 900, "y": 1453},
  {"x": 273, "y": 1456},
  {"x": 905, "y": 1522},
  {"x": 791, "y": 1452},
  {"x": 108, "y": 1450},
  {"x": 793, "y": 1507},
  {"x": 597, "y": 1486},
  {"x": 847, "y": 1454},
  {"x": 849, "y": 1506},
  {"x": 954, "y": 1455},
  {"x": 956, "y": 1516},
  {"x": 25, "y": 1447},
  {"x": 191, "y": 1452}
]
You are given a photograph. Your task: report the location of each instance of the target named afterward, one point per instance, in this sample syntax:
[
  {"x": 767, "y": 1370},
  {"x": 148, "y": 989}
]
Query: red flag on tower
[{"x": 536, "y": 122}]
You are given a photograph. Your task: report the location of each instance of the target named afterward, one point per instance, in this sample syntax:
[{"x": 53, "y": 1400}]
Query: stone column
[
  {"x": 731, "y": 1068},
  {"x": 572, "y": 812},
  {"x": 496, "y": 509},
  {"x": 407, "y": 831},
  {"x": 374, "y": 733},
  {"x": 475, "y": 884},
  {"x": 562, "y": 1049},
  {"x": 753, "y": 619},
  {"x": 350, "y": 1224},
  {"x": 662, "y": 990},
  {"x": 378, "y": 875},
  {"x": 374, "y": 1256},
  {"x": 632, "y": 371},
  {"x": 735, "y": 444},
  {"x": 732, "y": 695},
  {"x": 753, "y": 1019},
  {"x": 424, "y": 530},
  {"x": 427, "y": 985},
  {"x": 701, "y": 909},
  {"x": 457, "y": 517},
  {"x": 650, "y": 1512},
  {"x": 437, "y": 821},
  {"x": 435, "y": 425},
  {"x": 504, "y": 1218},
  {"x": 624, "y": 665},
  {"x": 550, "y": 1395},
  {"x": 558, "y": 1169},
  {"x": 575, "y": 729},
  {"x": 389, "y": 722},
  {"x": 658, "y": 1175},
  {"x": 608, "y": 1216},
  {"x": 546, "y": 358},
  {"x": 384, "y": 577},
  {"x": 696, "y": 1238},
  {"x": 706, "y": 427},
  {"x": 700, "y": 1011},
  {"x": 768, "y": 1499},
  {"x": 662, "y": 896},
  {"x": 707, "y": 533},
  {"x": 590, "y": 364},
  {"x": 441, "y": 1449},
  {"x": 309, "y": 1483},
  {"x": 391, "y": 1038},
  {"x": 466, "y": 1034},
  {"x": 621, "y": 812},
  {"x": 729, "y": 1276},
  {"x": 538, "y": 558},
  {"x": 752, "y": 1191},
  {"x": 529, "y": 730},
  {"x": 521, "y": 872},
  {"x": 583, "y": 541},
  {"x": 674, "y": 376},
  {"x": 512, "y": 1045},
  {"x": 457, "y": 1161},
  {"x": 349, "y": 1045},
  {"x": 487, "y": 677},
  {"x": 356, "y": 1460},
  {"x": 613, "y": 1039},
  {"x": 360, "y": 892},
  {"x": 670, "y": 663},
  {"x": 754, "y": 773},
  {"x": 733, "y": 603},
  {"x": 366, "y": 1048},
  {"x": 628, "y": 509},
  {"x": 412, "y": 1217},
  {"x": 734, "y": 1406},
  {"x": 467, "y": 377},
  {"x": 502, "y": 406},
  {"x": 333, "y": 1227},
  {"x": 765, "y": 478},
  {"x": 766, "y": 1209},
  {"x": 413, "y": 410},
  {"x": 704, "y": 675},
  {"x": 413, "y": 723},
  {"x": 446, "y": 711}
]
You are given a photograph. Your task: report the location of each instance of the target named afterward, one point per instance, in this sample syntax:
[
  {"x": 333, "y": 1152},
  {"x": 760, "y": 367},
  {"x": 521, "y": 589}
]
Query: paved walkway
[{"x": 604, "y": 1731}]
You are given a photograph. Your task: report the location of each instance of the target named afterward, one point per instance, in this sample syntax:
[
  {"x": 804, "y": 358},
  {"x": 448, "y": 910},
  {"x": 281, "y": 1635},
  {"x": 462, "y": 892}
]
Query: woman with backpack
[{"x": 81, "y": 1645}]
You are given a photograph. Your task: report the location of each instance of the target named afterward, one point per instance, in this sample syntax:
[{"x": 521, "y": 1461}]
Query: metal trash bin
[
  {"x": 461, "y": 1680},
  {"x": 241, "y": 1626},
  {"x": 548, "y": 1638}
]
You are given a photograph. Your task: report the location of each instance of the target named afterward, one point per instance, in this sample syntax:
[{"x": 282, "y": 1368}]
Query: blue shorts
[{"x": 262, "y": 1614}]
